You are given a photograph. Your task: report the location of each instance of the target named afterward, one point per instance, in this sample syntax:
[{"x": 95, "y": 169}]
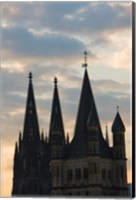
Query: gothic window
[
  {"x": 39, "y": 163},
  {"x": 90, "y": 168},
  {"x": 94, "y": 149},
  {"x": 24, "y": 164},
  {"x": 103, "y": 174},
  {"x": 85, "y": 173},
  {"x": 109, "y": 174},
  {"x": 121, "y": 171},
  {"x": 53, "y": 171},
  {"x": 117, "y": 172},
  {"x": 69, "y": 174},
  {"x": 78, "y": 174},
  {"x": 95, "y": 170},
  {"x": 62, "y": 171},
  {"x": 58, "y": 172}
]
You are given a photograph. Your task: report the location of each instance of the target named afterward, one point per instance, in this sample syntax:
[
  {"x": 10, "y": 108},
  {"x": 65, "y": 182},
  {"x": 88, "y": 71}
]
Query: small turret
[
  {"x": 56, "y": 135},
  {"x": 118, "y": 130},
  {"x": 118, "y": 125},
  {"x": 119, "y": 165}
]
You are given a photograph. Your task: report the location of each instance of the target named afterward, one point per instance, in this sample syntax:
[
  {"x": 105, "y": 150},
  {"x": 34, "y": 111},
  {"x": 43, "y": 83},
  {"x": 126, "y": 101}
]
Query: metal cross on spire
[
  {"x": 30, "y": 76},
  {"x": 85, "y": 59},
  {"x": 55, "y": 82}
]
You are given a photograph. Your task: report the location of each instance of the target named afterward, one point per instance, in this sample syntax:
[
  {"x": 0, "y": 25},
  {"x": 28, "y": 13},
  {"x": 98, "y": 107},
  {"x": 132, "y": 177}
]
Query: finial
[
  {"x": 55, "y": 81},
  {"x": 85, "y": 59},
  {"x": 117, "y": 108},
  {"x": 30, "y": 76}
]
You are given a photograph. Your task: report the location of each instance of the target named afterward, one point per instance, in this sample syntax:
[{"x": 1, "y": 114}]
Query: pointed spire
[
  {"x": 107, "y": 137},
  {"x": 31, "y": 126},
  {"x": 86, "y": 105},
  {"x": 56, "y": 122},
  {"x": 118, "y": 124}
]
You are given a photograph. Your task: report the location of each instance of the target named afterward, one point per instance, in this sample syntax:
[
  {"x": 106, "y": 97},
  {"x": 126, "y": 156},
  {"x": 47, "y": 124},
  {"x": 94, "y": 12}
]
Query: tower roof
[
  {"x": 78, "y": 147},
  {"x": 56, "y": 122},
  {"x": 118, "y": 124},
  {"x": 31, "y": 126}
]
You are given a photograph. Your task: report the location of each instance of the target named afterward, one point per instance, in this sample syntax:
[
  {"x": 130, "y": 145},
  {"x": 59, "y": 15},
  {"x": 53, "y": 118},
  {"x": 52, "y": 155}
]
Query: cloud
[
  {"x": 91, "y": 16},
  {"x": 22, "y": 42}
]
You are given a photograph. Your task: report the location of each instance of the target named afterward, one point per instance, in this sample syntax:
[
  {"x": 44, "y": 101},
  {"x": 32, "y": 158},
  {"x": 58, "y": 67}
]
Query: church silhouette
[{"x": 84, "y": 166}]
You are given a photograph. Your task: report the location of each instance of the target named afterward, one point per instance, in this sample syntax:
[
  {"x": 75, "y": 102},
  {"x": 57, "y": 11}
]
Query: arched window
[
  {"x": 78, "y": 174},
  {"x": 85, "y": 173},
  {"x": 121, "y": 171},
  {"x": 69, "y": 174},
  {"x": 24, "y": 163},
  {"x": 95, "y": 170},
  {"x": 58, "y": 172}
]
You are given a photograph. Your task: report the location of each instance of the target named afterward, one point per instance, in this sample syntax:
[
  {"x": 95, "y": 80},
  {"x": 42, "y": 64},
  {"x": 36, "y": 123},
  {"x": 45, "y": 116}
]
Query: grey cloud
[
  {"x": 112, "y": 85},
  {"x": 21, "y": 42},
  {"x": 97, "y": 16}
]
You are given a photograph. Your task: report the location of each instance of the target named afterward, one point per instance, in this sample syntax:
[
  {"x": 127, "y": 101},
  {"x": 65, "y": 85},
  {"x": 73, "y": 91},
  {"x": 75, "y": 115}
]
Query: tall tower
[
  {"x": 57, "y": 142},
  {"x": 119, "y": 154},
  {"x": 30, "y": 164}
]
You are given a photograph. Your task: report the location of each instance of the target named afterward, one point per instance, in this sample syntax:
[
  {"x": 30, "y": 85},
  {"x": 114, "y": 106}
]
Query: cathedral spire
[
  {"x": 56, "y": 122},
  {"x": 86, "y": 106},
  {"x": 31, "y": 126}
]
